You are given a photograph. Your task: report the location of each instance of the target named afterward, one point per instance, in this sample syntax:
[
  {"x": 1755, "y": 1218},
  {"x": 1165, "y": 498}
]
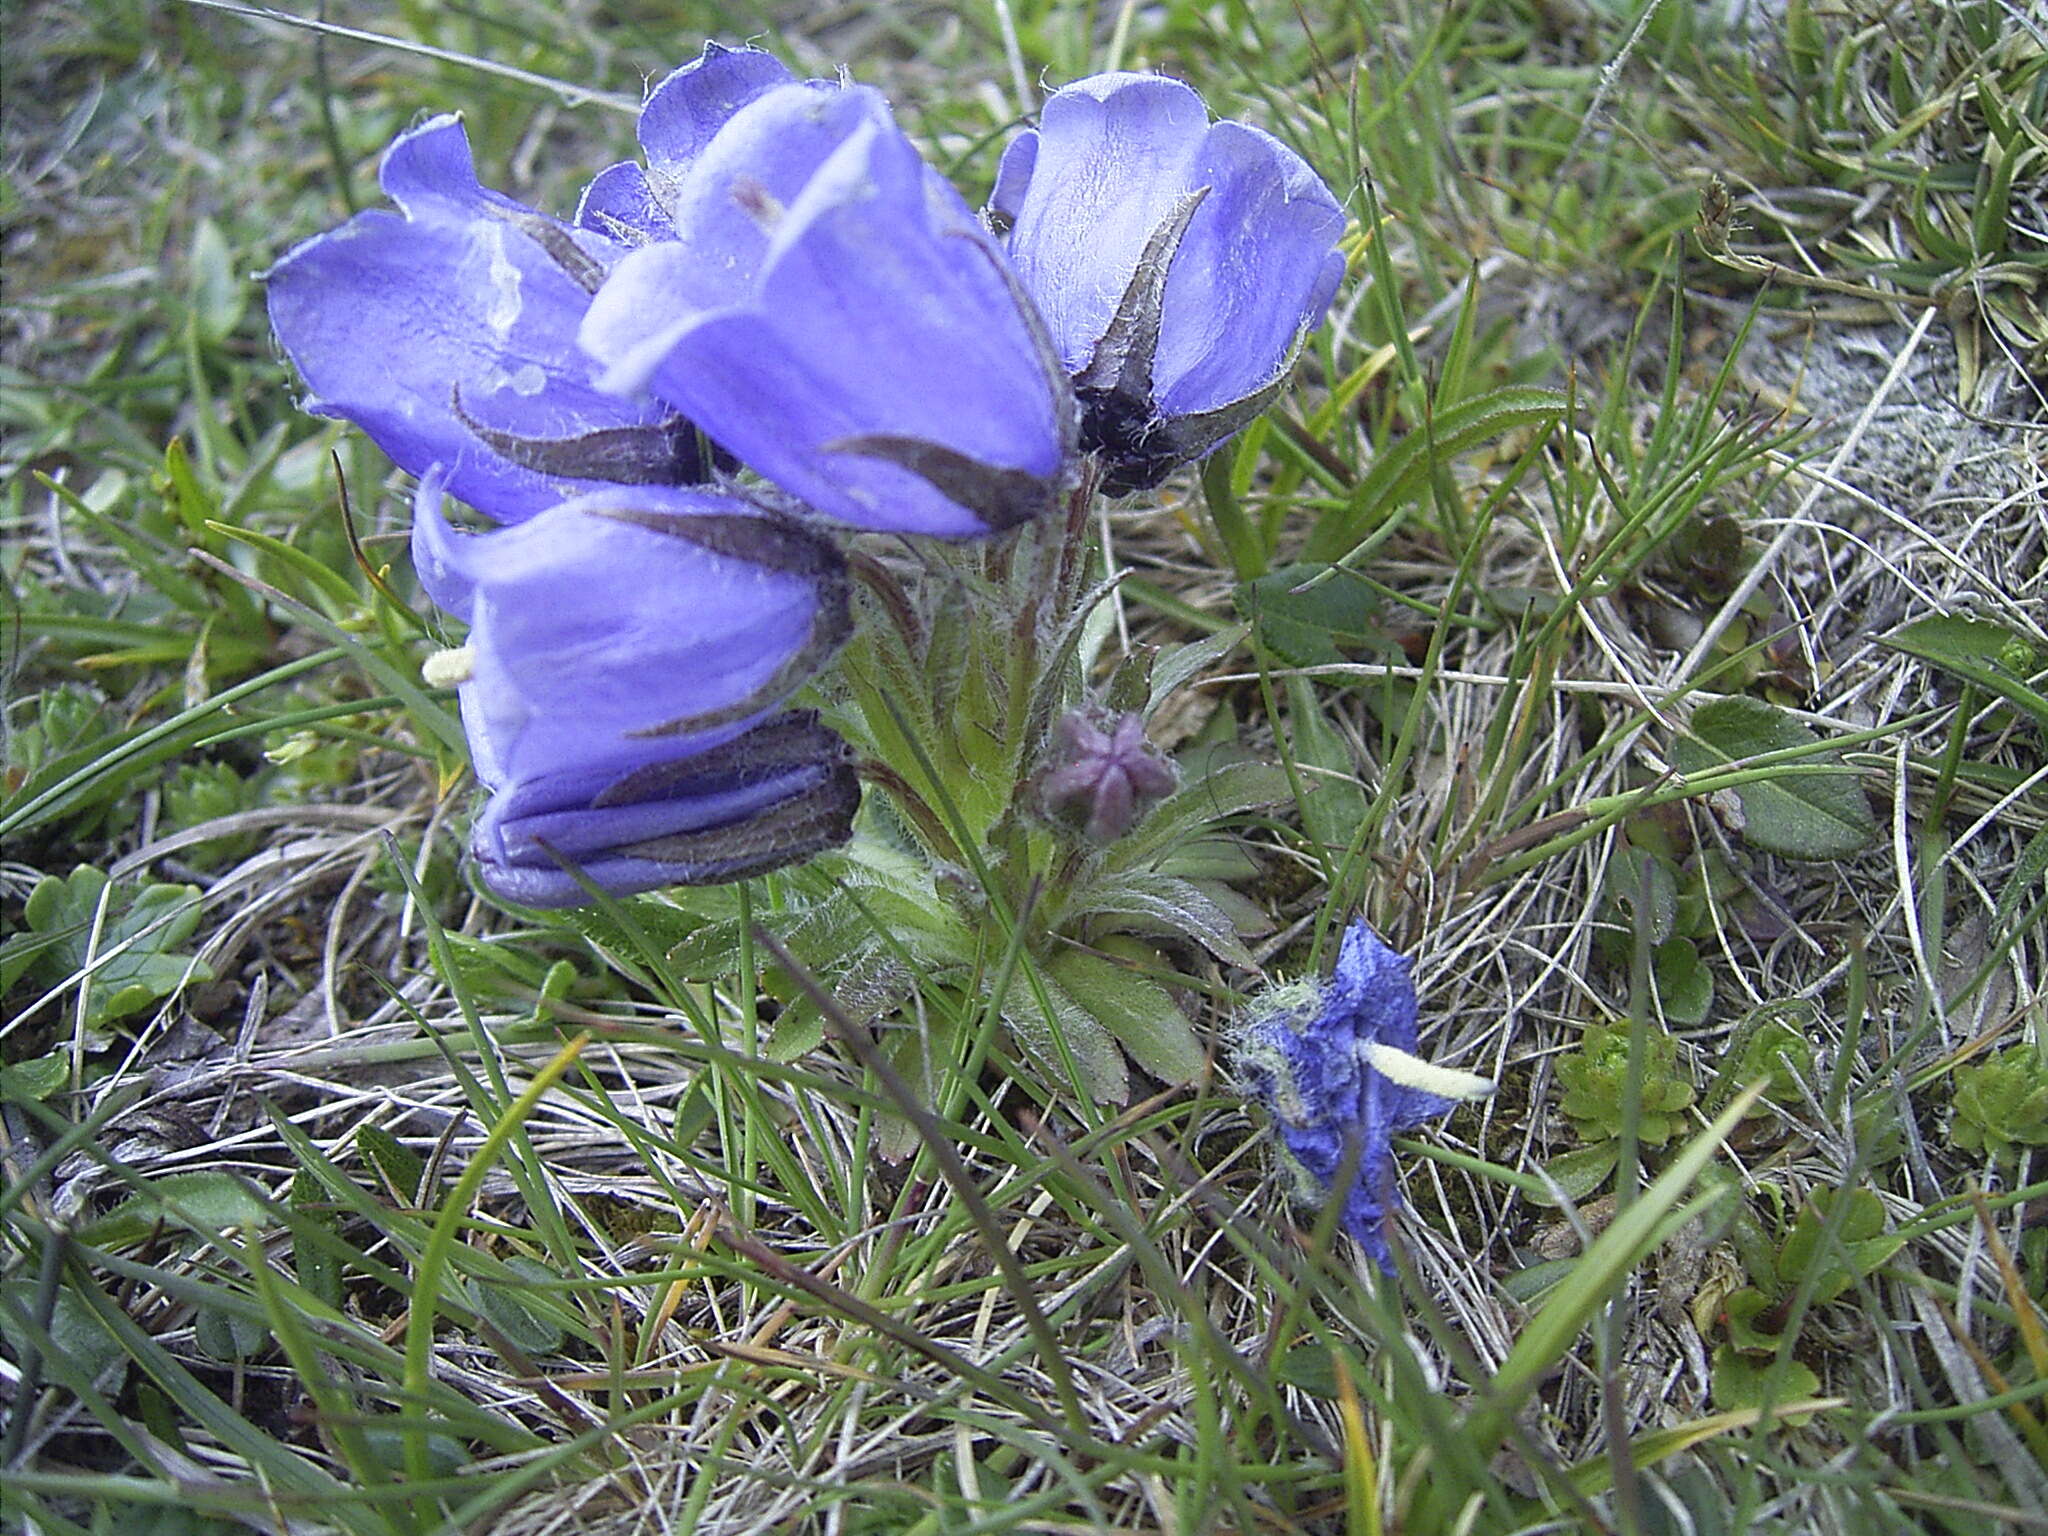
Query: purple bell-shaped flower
[
  {"x": 1178, "y": 264},
  {"x": 825, "y": 307},
  {"x": 625, "y": 652}
]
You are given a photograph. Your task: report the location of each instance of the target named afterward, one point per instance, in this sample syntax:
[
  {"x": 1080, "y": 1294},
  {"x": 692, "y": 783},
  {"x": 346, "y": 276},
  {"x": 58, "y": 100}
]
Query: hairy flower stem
[{"x": 1073, "y": 549}]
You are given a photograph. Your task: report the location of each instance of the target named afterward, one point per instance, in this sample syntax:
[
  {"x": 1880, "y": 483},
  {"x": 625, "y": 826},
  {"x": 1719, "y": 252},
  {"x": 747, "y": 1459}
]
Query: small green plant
[
  {"x": 197, "y": 793},
  {"x": 2001, "y": 1104},
  {"x": 121, "y": 942},
  {"x": 1756, "y": 1315},
  {"x": 1595, "y": 1080},
  {"x": 1771, "y": 1045}
]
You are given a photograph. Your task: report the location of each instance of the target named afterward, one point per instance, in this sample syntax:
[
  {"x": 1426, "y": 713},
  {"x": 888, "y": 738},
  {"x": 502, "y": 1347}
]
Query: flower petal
[
  {"x": 688, "y": 108},
  {"x": 1372, "y": 996},
  {"x": 1013, "y": 175},
  {"x": 437, "y": 552},
  {"x": 460, "y": 306},
  {"x": 1253, "y": 272},
  {"x": 619, "y": 203},
  {"x": 779, "y": 793},
  {"x": 725, "y": 210},
  {"x": 1114, "y": 152}
]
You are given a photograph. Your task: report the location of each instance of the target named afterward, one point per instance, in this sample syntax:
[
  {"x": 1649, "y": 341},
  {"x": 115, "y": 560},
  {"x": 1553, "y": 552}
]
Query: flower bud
[{"x": 1105, "y": 779}]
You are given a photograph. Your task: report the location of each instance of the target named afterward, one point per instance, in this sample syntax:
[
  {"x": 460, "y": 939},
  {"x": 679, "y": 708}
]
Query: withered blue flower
[
  {"x": 447, "y": 332},
  {"x": 825, "y": 307},
  {"x": 1178, "y": 264},
  {"x": 1335, "y": 1063}
]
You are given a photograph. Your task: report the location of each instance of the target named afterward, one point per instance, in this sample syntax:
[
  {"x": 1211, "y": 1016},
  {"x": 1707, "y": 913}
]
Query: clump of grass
[{"x": 1551, "y": 634}]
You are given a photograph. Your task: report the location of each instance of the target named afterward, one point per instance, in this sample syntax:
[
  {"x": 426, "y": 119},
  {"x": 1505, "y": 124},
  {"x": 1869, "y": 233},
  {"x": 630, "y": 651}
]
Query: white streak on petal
[{"x": 504, "y": 284}]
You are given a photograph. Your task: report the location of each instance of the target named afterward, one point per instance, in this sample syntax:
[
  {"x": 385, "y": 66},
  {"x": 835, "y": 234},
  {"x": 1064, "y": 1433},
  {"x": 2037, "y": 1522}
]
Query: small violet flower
[
  {"x": 824, "y": 306},
  {"x": 447, "y": 332},
  {"x": 1178, "y": 264},
  {"x": 1105, "y": 779},
  {"x": 624, "y": 650},
  {"x": 1336, "y": 1066}
]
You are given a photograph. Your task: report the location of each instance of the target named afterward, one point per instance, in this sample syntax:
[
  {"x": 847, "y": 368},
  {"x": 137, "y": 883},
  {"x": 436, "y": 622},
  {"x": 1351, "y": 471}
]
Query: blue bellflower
[
  {"x": 1178, "y": 264},
  {"x": 625, "y": 650},
  {"x": 447, "y": 332},
  {"x": 1336, "y": 1065},
  {"x": 628, "y": 623},
  {"x": 824, "y": 306}
]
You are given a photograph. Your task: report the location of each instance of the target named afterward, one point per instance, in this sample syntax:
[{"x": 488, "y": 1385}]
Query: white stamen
[
  {"x": 1406, "y": 1071},
  {"x": 444, "y": 669}
]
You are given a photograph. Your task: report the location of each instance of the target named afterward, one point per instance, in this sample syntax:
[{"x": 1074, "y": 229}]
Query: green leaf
[
  {"x": 401, "y": 1169},
  {"x": 1404, "y": 469},
  {"x": 227, "y": 1335},
  {"x": 1862, "y": 1244},
  {"x": 1807, "y": 809},
  {"x": 1645, "y": 887},
  {"x": 1581, "y": 1171},
  {"x": 1685, "y": 986},
  {"x": 1981, "y": 652},
  {"x": 1192, "y": 809},
  {"x": 131, "y": 964},
  {"x": 1531, "y": 1284},
  {"x": 1099, "y": 1073},
  {"x": 501, "y": 1306},
  {"x": 219, "y": 295},
  {"x": 1162, "y": 904},
  {"x": 1179, "y": 664},
  {"x": 37, "y": 1078},
  {"x": 1311, "y": 1367},
  {"x": 1314, "y": 626},
  {"x": 1743, "y": 1383},
  {"x": 73, "y": 1327},
  {"x": 1754, "y": 1321},
  {"x": 1144, "y": 1018},
  {"x": 318, "y": 1267},
  {"x": 925, "y": 1054},
  {"x": 208, "y": 1204}
]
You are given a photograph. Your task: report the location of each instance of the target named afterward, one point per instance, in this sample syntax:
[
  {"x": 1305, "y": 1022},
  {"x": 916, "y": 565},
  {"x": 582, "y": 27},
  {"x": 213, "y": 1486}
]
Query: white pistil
[
  {"x": 1406, "y": 1071},
  {"x": 444, "y": 669}
]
